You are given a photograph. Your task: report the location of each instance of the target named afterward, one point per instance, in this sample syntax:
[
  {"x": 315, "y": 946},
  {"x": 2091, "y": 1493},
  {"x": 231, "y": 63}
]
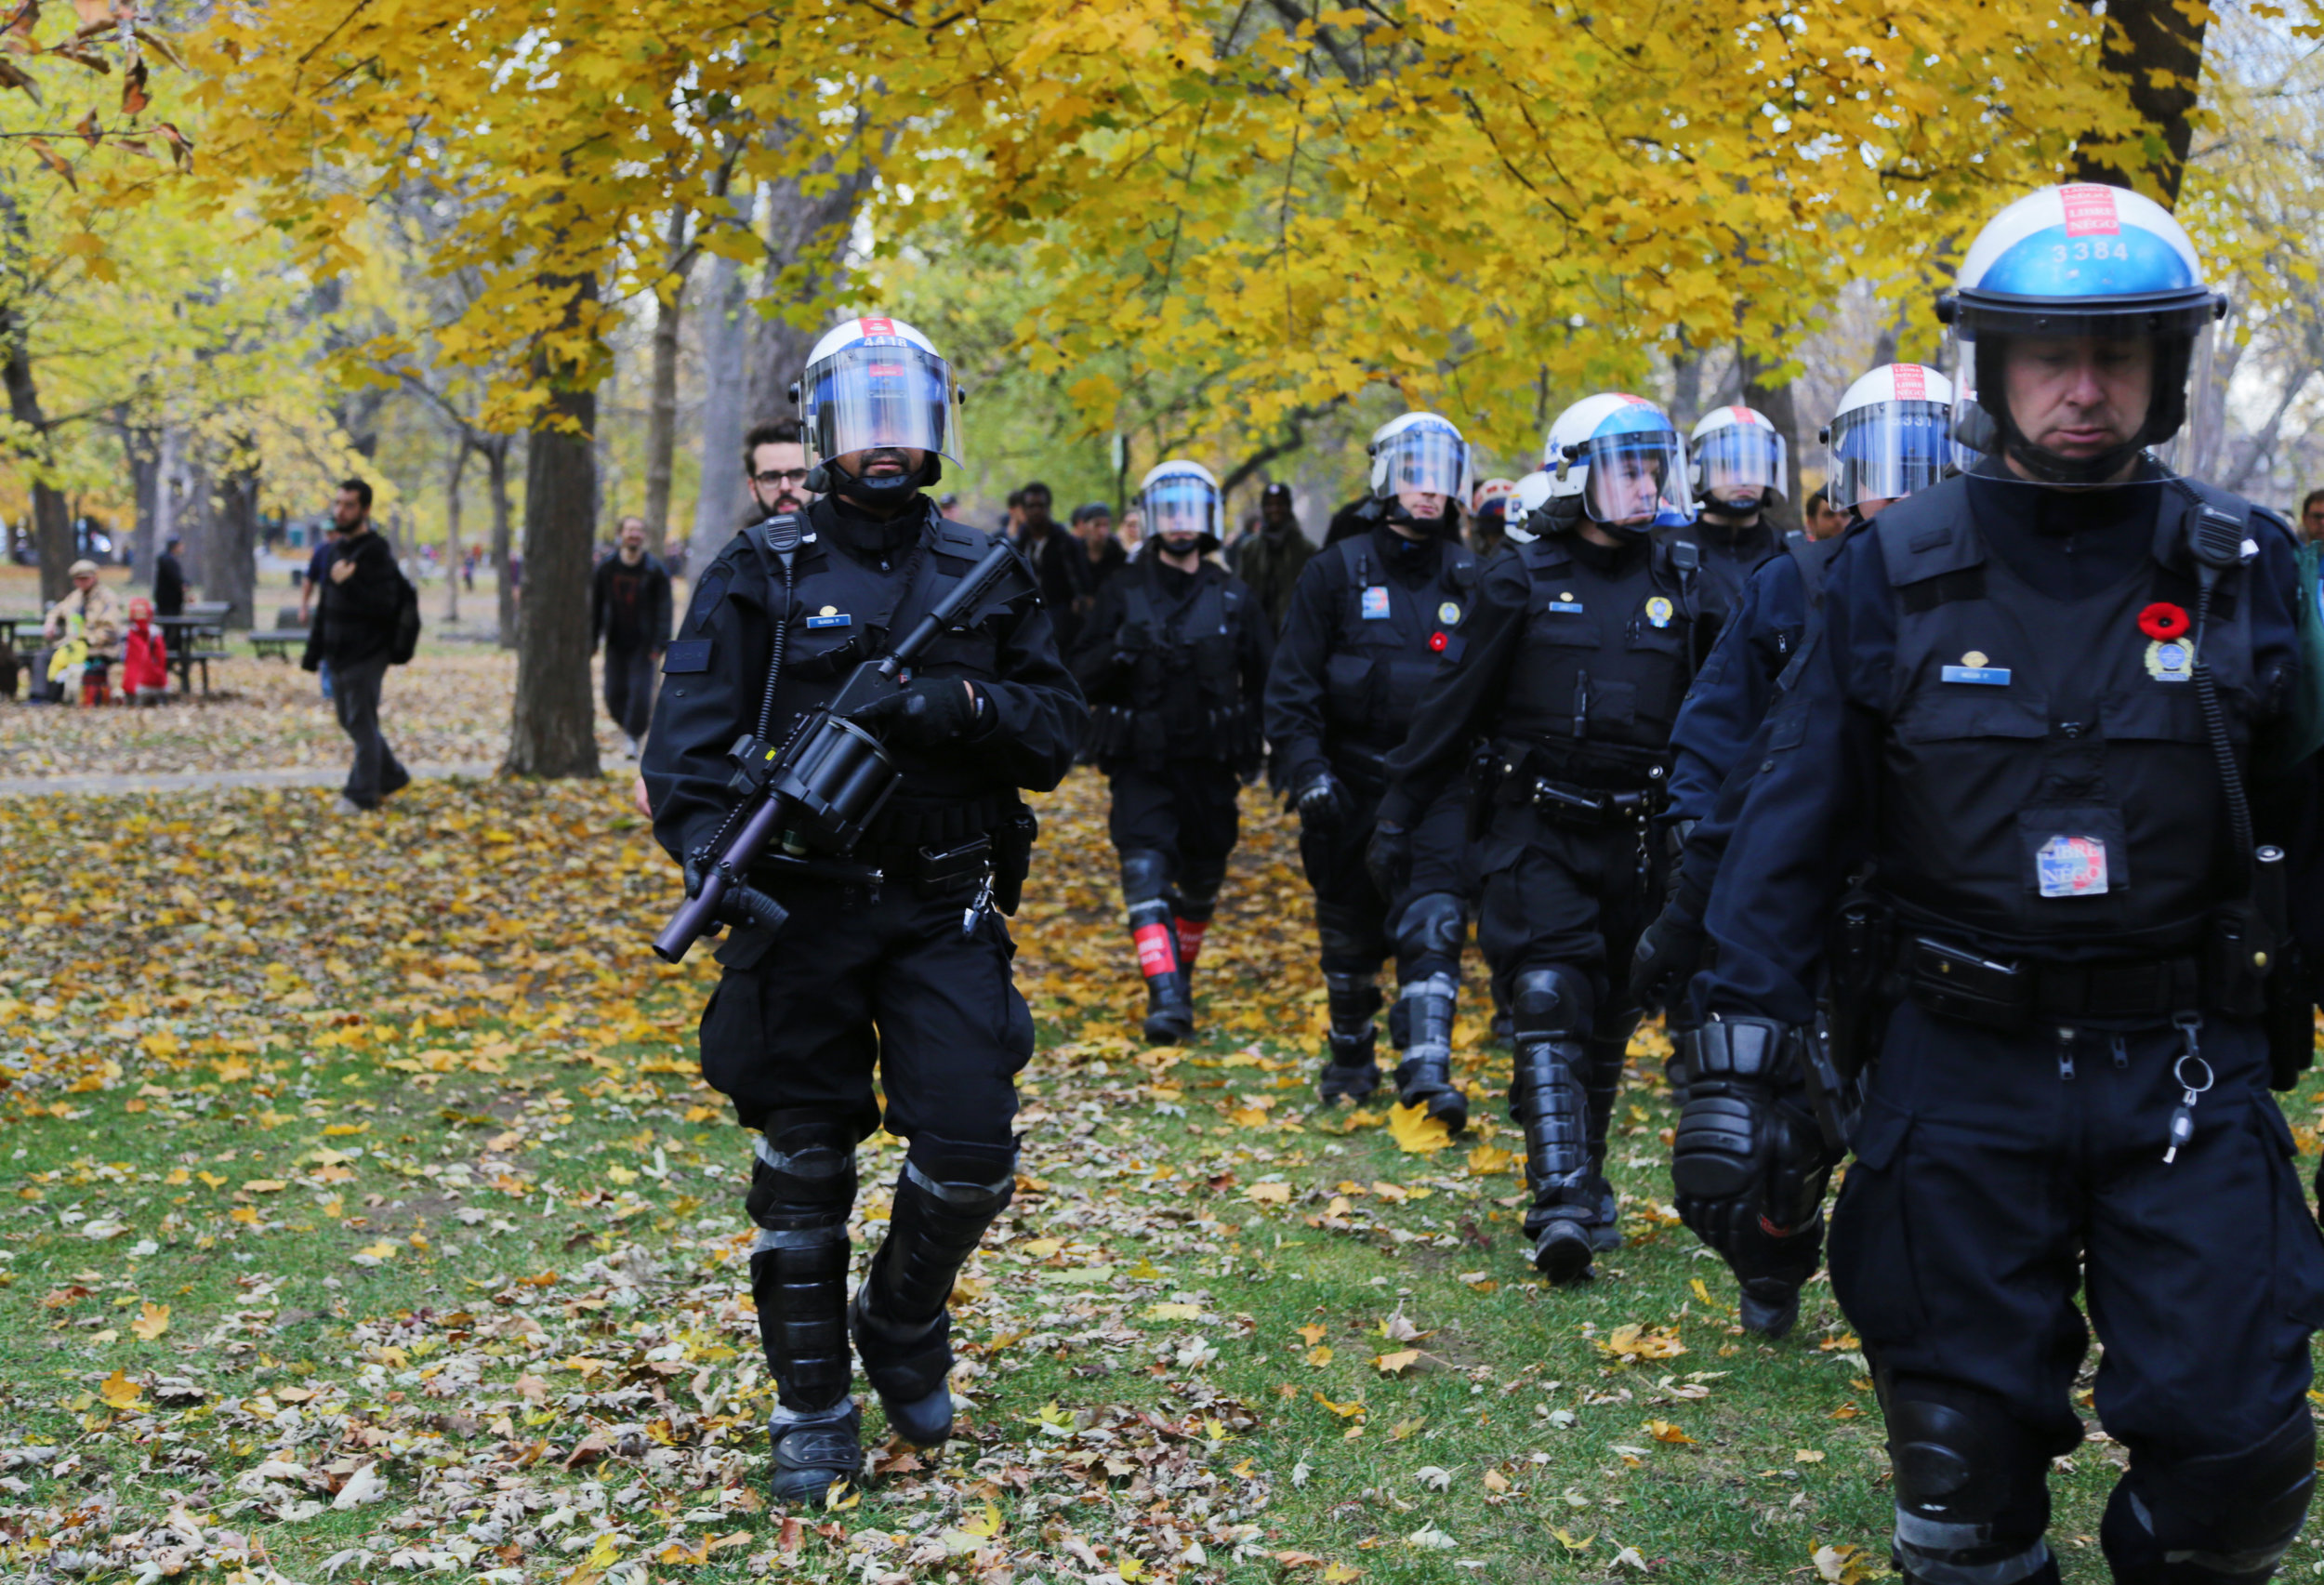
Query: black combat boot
[
  {"x": 1422, "y": 1026},
  {"x": 1351, "y": 1068},
  {"x": 903, "y": 1331},
  {"x": 1550, "y": 1100},
  {"x": 802, "y": 1186},
  {"x": 1169, "y": 997}
]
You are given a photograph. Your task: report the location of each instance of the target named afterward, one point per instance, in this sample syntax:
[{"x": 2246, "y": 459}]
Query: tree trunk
[
  {"x": 661, "y": 429},
  {"x": 553, "y": 731},
  {"x": 1776, "y": 401},
  {"x": 52, "y": 523},
  {"x": 806, "y": 242},
  {"x": 2156, "y": 52},
  {"x": 234, "y": 538},
  {"x": 725, "y": 354},
  {"x": 1686, "y": 388},
  {"x": 452, "y": 530},
  {"x": 496, "y": 452}
]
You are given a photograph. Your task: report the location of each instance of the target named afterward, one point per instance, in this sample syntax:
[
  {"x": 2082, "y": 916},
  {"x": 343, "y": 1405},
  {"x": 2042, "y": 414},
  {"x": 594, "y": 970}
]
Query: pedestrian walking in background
[
  {"x": 169, "y": 582},
  {"x": 629, "y": 615},
  {"x": 352, "y": 631},
  {"x": 1271, "y": 557}
]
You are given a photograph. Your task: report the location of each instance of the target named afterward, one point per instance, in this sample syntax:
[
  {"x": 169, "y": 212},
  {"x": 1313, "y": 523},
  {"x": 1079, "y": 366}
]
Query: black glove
[
  {"x": 1389, "y": 858},
  {"x": 1131, "y": 639},
  {"x": 934, "y": 710},
  {"x": 1668, "y": 952},
  {"x": 1321, "y": 803}
]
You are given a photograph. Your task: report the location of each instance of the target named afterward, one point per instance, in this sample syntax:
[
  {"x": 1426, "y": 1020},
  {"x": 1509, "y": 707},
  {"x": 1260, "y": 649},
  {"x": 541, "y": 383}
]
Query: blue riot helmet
[
  {"x": 877, "y": 384},
  {"x": 1615, "y": 458},
  {"x": 2083, "y": 263}
]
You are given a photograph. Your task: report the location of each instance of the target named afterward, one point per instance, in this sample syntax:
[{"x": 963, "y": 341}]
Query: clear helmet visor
[
  {"x": 1423, "y": 457},
  {"x": 879, "y": 394},
  {"x": 1636, "y": 479},
  {"x": 1887, "y": 450},
  {"x": 1181, "y": 504},
  {"x": 1738, "y": 463},
  {"x": 2090, "y": 382}
]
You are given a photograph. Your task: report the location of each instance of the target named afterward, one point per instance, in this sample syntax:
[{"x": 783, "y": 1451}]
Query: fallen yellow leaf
[
  {"x": 1663, "y": 1431},
  {"x": 152, "y": 1322},
  {"x": 1397, "y": 1362},
  {"x": 1416, "y": 1132},
  {"x": 120, "y": 1393}
]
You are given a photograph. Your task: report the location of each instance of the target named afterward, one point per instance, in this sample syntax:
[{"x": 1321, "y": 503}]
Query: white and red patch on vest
[{"x": 2090, "y": 210}]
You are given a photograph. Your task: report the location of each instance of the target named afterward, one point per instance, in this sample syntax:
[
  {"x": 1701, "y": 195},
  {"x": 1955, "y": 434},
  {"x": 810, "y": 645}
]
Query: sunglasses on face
[{"x": 781, "y": 476}]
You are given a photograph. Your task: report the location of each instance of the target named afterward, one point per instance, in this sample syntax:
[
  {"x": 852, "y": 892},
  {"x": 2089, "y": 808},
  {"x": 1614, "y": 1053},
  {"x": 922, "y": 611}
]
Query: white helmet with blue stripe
[
  {"x": 1180, "y": 497},
  {"x": 2082, "y": 263},
  {"x": 1419, "y": 451},
  {"x": 1618, "y": 459},
  {"x": 872, "y": 384}
]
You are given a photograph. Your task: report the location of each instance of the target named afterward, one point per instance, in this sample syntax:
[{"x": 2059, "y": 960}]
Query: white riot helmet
[
  {"x": 1618, "y": 459},
  {"x": 2066, "y": 263},
  {"x": 1180, "y": 497},
  {"x": 1892, "y": 435},
  {"x": 873, "y": 384},
  {"x": 1419, "y": 451},
  {"x": 1532, "y": 494},
  {"x": 1738, "y": 457}
]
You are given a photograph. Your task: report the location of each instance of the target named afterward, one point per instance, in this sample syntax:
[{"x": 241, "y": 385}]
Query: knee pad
[
  {"x": 1349, "y": 938},
  {"x": 1972, "y": 1493},
  {"x": 1551, "y": 1003},
  {"x": 2226, "y": 1518},
  {"x": 1145, "y": 874},
  {"x": 1431, "y": 926},
  {"x": 802, "y": 1169},
  {"x": 1198, "y": 883}
]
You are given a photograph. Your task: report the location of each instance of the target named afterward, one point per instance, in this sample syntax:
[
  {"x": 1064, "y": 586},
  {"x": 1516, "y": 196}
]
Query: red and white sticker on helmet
[
  {"x": 2090, "y": 210},
  {"x": 876, "y": 326},
  {"x": 1741, "y": 415},
  {"x": 1912, "y": 382}
]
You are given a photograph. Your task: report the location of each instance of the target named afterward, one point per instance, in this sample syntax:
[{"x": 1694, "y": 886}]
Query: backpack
[{"x": 406, "y": 639}]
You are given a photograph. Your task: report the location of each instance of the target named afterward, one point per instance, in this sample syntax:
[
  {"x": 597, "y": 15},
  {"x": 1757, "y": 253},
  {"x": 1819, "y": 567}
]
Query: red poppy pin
[
  {"x": 2163, "y": 621},
  {"x": 1436, "y": 642}
]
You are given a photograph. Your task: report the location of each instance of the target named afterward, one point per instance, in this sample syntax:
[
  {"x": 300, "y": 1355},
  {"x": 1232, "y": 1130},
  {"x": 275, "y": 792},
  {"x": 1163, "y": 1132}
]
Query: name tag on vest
[
  {"x": 1374, "y": 605},
  {"x": 839, "y": 619},
  {"x": 1983, "y": 675}
]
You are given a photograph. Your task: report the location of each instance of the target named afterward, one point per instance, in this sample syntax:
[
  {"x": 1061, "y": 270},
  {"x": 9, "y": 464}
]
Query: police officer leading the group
[
  {"x": 1891, "y": 436},
  {"x": 1372, "y": 620},
  {"x": 895, "y": 958},
  {"x": 2048, "y": 711},
  {"x": 1577, "y": 654},
  {"x": 1174, "y": 659}
]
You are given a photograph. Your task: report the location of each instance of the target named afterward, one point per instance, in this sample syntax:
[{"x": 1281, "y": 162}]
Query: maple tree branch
[{"x": 1350, "y": 67}]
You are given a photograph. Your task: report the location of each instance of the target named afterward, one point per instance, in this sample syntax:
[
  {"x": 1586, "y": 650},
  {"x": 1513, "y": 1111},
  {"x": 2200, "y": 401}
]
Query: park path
[{"x": 197, "y": 781}]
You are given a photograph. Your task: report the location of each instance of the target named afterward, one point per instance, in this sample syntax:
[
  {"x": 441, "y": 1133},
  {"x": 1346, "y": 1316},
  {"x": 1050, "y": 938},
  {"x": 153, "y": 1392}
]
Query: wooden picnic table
[{"x": 195, "y": 637}]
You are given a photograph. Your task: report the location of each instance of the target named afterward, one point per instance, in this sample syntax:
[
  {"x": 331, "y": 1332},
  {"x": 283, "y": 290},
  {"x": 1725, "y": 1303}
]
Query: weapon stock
[{"x": 832, "y": 770}]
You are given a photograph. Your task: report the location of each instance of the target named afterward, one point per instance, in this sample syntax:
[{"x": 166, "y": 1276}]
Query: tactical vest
[
  {"x": 2046, "y": 773},
  {"x": 1604, "y": 664},
  {"x": 1185, "y": 687},
  {"x": 842, "y": 613},
  {"x": 1385, "y": 644}
]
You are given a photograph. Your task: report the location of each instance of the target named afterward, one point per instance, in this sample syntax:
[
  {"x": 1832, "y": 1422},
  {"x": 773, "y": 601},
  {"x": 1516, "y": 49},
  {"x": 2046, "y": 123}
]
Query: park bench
[
  {"x": 196, "y": 637},
  {"x": 279, "y": 642}
]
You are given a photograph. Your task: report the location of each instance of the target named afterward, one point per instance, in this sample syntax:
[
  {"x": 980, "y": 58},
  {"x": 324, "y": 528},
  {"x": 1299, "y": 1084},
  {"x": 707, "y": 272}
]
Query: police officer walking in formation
[
  {"x": 1892, "y": 436},
  {"x": 1738, "y": 463},
  {"x": 2050, "y": 709},
  {"x": 1577, "y": 654},
  {"x": 1174, "y": 659},
  {"x": 896, "y": 959},
  {"x": 1371, "y": 621}
]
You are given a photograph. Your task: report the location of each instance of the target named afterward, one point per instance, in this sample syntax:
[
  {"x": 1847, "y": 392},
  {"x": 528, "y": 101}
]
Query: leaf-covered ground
[
  {"x": 369, "y": 1224},
  {"x": 450, "y": 706}
]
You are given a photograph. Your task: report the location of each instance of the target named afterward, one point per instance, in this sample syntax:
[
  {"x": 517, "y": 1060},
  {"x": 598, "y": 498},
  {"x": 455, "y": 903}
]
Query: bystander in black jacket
[
  {"x": 169, "y": 585},
  {"x": 629, "y": 605},
  {"x": 354, "y": 619}
]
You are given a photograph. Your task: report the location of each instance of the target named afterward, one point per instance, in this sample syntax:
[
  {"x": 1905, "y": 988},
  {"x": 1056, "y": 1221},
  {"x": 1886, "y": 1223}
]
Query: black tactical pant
[
  {"x": 629, "y": 687},
  {"x": 1182, "y": 809},
  {"x": 1994, "y": 1176},
  {"x": 801, "y": 1023},
  {"x": 1569, "y": 900},
  {"x": 1358, "y": 927}
]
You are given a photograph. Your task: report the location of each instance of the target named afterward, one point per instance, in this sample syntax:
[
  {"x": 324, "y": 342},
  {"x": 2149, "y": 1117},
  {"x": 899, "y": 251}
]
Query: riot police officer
[
  {"x": 1890, "y": 437},
  {"x": 1577, "y": 654},
  {"x": 905, "y": 967},
  {"x": 1737, "y": 458},
  {"x": 1174, "y": 660},
  {"x": 1372, "y": 618},
  {"x": 2040, "y": 715}
]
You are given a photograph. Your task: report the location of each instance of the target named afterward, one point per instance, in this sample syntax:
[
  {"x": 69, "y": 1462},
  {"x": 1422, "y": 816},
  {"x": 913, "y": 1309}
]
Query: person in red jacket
[{"x": 145, "y": 657}]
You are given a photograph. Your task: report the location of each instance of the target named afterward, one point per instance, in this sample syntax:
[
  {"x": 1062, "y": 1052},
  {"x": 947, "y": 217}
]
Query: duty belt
[
  {"x": 1575, "y": 805},
  {"x": 2014, "y": 996}
]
